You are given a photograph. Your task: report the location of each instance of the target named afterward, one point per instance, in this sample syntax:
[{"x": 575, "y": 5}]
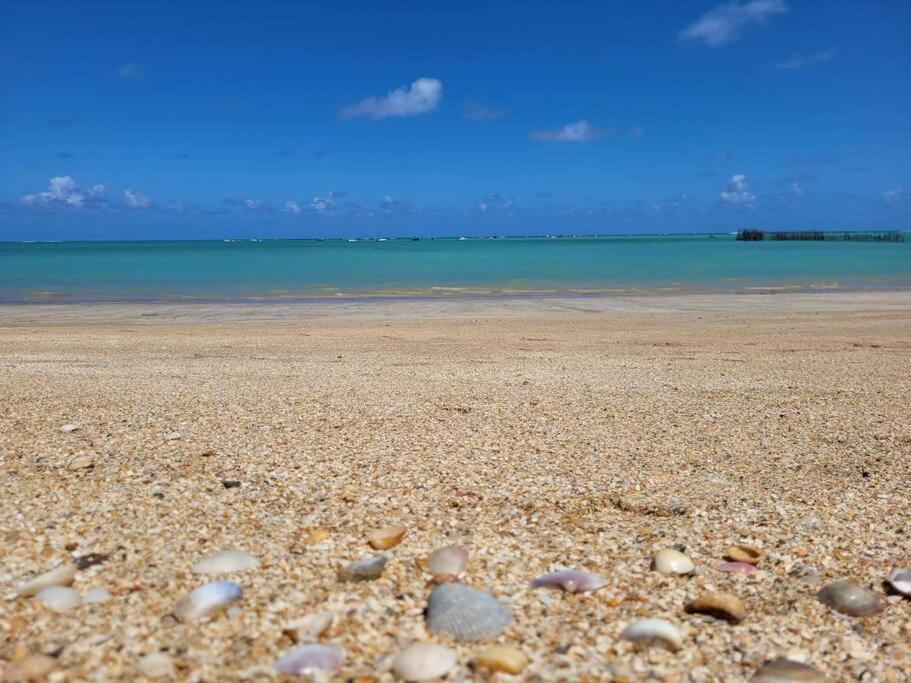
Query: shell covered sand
[{"x": 537, "y": 444}]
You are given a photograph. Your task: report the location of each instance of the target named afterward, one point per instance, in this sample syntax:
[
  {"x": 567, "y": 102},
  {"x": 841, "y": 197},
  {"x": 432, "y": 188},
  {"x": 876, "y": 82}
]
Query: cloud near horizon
[
  {"x": 737, "y": 192},
  {"x": 726, "y": 23},
  {"x": 579, "y": 131},
  {"x": 422, "y": 97}
]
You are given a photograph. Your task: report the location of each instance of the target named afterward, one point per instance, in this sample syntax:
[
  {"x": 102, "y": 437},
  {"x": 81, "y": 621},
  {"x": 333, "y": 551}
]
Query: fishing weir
[{"x": 819, "y": 236}]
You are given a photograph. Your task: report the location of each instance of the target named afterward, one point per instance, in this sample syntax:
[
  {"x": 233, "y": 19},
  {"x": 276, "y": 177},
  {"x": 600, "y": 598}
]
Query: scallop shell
[
  {"x": 447, "y": 563},
  {"x": 226, "y": 561},
  {"x": 737, "y": 567},
  {"x": 900, "y": 581},
  {"x": 719, "y": 605},
  {"x": 423, "y": 661},
  {"x": 465, "y": 613},
  {"x": 670, "y": 561},
  {"x": 653, "y": 632},
  {"x": 742, "y": 553},
  {"x": 363, "y": 570},
  {"x": 58, "y": 576},
  {"x": 387, "y": 537},
  {"x": 787, "y": 671},
  {"x": 58, "y": 598},
  {"x": 208, "y": 599},
  {"x": 570, "y": 580},
  {"x": 305, "y": 660},
  {"x": 851, "y": 599}
]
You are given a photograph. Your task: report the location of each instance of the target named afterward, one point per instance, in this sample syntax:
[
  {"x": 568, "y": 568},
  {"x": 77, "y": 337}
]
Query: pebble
[
  {"x": 208, "y": 599},
  {"x": 81, "y": 462},
  {"x": 446, "y": 564},
  {"x": 58, "y": 598},
  {"x": 423, "y": 662},
  {"x": 670, "y": 561},
  {"x": 224, "y": 562},
  {"x": 503, "y": 658},
  {"x": 173, "y": 436},
  {"x": 29, "y": 668},
  {"x": 317, "y": 535},
  {"x": 787, "y": 671},
  {"x": 743, "y": 553},
  {"x": 653, "y": 632},
  {"x": 570, "y": 580},
  {"x": 309, "y": 660},
  {"x": 465, "y": 613},
  {"x": 900, "y": 581},
  {"x": 72, "y": 427},
  {"x": 96, "y": 595},
  {"x": 308, "y": 628},
  {"x": 737, "y": 567},
  {"x": 367, "y": 569},
  {"x": 851, "y": 599},
  {"x": 387, "y": 537},
  {"x": 157, "y": 665},
  {"x": 58, "y": 576},
  {"x": 230, "y": 484},
  {"x": 719, "y": 605}
]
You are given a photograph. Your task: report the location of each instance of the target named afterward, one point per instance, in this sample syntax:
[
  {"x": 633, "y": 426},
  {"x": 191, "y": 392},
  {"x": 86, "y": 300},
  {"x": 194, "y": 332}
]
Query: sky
[{"x": 192, "y": 120}]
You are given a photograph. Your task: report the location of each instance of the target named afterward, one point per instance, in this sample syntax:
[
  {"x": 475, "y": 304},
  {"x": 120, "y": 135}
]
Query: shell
[
  {"x": 317, "y": 535},
  {"x": 570, "y": 580},
  {"x": 29, "y": 668},
  {"x": 851, "y": 599},
  {"x": 306, "y": 660},
  {"x": 157, "y": 665},
  {"x": 363, "y": 570},
  {"x": 502, "y": 658},
  {"x": 787, "y": 671},
  {"x": 308, "y": 628},
  {"x": 448, "y": 563},
  {"x": 742, "y": 553},
  {"x": 95, "y": 595},
  {"x": 719, "y": 605},
  {"x": 58, "y": 576},
  {"x": 387, "y": 537},
  {"x": 900, "y": 581},
  {"x": 653, "y": 632},
  {"x": 224, "y": 562},
  {"x": 423, "y": 661},
  {"x": 208, "y": 599},
  {"x": 465, "y": 613},
  {"x": 737, "y": 567},
  {"x": 72, "y": 427},
  {"x": 670, "y": 561},
  {"x": 58, "y": 598}
]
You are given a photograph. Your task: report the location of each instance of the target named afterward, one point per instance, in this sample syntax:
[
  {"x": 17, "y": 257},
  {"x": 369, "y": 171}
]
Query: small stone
[
  {"x": 719, "y": 605},
  {"x": 787, "y": 671},
  {"x": 96, "y": 595},
  {"x": 58, "y": 576},
  {"x": 230, "y": 483},
  {"x": 72, "y": 427},
  {"x": 317, "y": 535},
  {"x": 670, "y": 561},
  {"x": 653, "y": 632},
  {"x": 29, "y": 669},
  {"x": 367, "y": 569},
  {"x": 173, "y": 436},
  {"x": 851, "y": 599},
  {"x": 387, "y": 537},
  {"x": 58, "y": 598},
  {"x": 81, "y": 462},
  {"x": 423, "y": 662},
  {"x": 742, "y": 553},
  {"x": 503, "y": 658},
  {"x": 157, "y": 665},
  {"x": 85, "y": 561},
  {"x": 226, "y": 561}
]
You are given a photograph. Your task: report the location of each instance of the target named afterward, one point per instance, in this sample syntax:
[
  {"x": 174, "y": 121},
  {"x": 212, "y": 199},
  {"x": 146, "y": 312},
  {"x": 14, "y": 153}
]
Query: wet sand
[{"x": 541, "y": 434}]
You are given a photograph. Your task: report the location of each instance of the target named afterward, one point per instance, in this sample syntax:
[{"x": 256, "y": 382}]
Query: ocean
[{"x": 283, "y": 270}]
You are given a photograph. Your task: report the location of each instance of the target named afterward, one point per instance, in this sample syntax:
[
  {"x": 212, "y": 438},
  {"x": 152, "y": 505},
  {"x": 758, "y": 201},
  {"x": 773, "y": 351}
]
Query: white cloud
[
  {"x": 61, "y": 191},
  {"x": 580, "y": 131},
  {"x": 98, "y": 189},
  {"x": 637, "y": 132},
  {"x": 738, "y": 192},
  {"x": 292, "y": 207},
  {"x": 896, "y": 194},
  {"x": 252, "y": 204},
  {"x": 799, "y": 61},
  {"x": 131, "y": 70},
  {"x": 423, "y": 96},
  {"x": 726, "y": 23},
  {"x": 135, "y": 200}
]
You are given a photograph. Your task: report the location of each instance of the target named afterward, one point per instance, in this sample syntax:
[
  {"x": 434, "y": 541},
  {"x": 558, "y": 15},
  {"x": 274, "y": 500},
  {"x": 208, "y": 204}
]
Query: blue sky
[{"x": 304, "y": 119}]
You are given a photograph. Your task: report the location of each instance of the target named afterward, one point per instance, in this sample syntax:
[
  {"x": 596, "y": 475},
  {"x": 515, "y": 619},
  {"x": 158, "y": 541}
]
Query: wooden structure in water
[{"x": 818, "y": 236}]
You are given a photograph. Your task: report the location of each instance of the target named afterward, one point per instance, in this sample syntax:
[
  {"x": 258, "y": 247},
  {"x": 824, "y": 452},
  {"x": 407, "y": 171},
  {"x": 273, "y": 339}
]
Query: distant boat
[
  {"x": 462, "y": 239},
  {"x": 381, "y": 239}
]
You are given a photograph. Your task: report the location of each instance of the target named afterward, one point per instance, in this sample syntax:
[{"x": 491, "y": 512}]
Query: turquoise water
[{"x": 303, "y": 269}]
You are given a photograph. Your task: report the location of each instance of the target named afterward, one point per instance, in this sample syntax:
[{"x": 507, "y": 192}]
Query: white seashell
[
  {"x": 58, "y": 576},
  {"x": 363, "y": 570},
  {"x": 207, "y": 599},
  {"x": 94, "y": 595},
  {"x": 58, "y": 598},
  {"x": 310, "y": 627},
  {"x": 156, "y": 665},
  {"x": 570, "y": 580},
  {"x": 307, "y": 660},
  {"x": 448, "y": 562},
  {"x": 67, "y": 428},
  {"x": 173, "y": 436},
  {"x": 465, "y": 613},
  {"x": 787, "y": 671},
  {"x": 226, "y": 561},
  {"x": 670, "y": 561},
  {"x": 423, "y": 661},
  {"x": 900, "y": 581},
  {"x": 653, "y": 632}
]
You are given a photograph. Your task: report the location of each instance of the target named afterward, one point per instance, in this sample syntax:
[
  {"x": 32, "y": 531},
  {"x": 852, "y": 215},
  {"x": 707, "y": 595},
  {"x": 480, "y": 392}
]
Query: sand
[{"x": 541, "y": 434}]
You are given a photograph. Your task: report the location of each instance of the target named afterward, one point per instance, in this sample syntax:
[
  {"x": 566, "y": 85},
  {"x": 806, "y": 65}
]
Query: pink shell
[
  {"x": 570, "y": 580},
  {"x": 740, "y": 567}
]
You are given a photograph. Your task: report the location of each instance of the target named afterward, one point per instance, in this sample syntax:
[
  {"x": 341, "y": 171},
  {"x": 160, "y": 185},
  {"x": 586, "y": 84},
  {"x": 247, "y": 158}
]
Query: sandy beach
[{"x": 540, "y": 434}]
